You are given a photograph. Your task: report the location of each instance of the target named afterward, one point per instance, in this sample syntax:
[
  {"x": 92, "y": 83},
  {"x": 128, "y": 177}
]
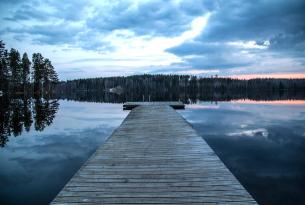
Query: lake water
[
  {"x": 263, "y": 144},
  {"x": 45, "y": 142}
]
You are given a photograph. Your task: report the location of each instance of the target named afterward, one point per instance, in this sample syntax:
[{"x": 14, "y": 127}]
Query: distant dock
[
  {"x": 154, "y": 157},
  {"x": 131, "y": 105}
]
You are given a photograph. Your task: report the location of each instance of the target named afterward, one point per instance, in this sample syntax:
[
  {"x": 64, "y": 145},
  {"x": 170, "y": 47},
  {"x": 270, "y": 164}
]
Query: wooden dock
[
  {"x": 154, "y": 157},
  {"x": 131, "y": 105}
]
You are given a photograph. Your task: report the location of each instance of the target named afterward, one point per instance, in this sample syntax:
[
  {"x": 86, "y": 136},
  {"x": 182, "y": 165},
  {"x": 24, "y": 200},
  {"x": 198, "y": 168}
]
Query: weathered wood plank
[{"x": 154, "y": 157}]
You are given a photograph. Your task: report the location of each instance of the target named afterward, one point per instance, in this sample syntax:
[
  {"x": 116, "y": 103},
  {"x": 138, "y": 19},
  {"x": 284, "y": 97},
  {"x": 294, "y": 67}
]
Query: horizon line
[
  {"x": 239, "y": 77},
  {"x": 270, "y": 75}
]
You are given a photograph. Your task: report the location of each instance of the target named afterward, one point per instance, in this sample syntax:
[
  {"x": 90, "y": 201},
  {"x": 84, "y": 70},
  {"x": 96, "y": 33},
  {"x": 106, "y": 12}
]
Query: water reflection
[
  {"x": 187, "y": 97},
  {"x": 18, "y": 114},
  {"x": 262, "y": 144},
  {"x": 36, "y": 165}
]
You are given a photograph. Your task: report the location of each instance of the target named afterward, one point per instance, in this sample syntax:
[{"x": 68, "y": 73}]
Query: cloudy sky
[{"x": 203, "y": 37}]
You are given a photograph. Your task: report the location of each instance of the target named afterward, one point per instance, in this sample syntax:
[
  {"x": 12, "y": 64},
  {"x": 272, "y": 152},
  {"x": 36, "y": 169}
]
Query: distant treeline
[
  {"x": 20, "y": 75},
  {"x": 180, "y": 87}
]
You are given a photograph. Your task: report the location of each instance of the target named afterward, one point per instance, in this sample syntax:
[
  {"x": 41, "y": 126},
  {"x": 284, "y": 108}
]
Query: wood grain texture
[{"x": 154, "y": 157}]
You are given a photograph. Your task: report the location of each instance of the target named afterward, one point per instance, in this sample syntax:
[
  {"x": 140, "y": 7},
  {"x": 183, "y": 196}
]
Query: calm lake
[{"x": 44, "y": 142}]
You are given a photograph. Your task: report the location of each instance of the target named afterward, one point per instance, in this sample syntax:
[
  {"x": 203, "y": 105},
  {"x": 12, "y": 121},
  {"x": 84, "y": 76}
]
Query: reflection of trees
[
  {"x": 16, "y": 115},
  {"x": 27, "y": 114},
  {"x": 44, "y": 113},
  {"x": 4, "y": 121},
  {"x": 186, "y": 96}
]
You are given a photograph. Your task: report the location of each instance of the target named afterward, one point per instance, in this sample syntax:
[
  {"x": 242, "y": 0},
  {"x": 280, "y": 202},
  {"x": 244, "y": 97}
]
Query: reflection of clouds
[
  {"x": 40, "y": 163},
  {"x": 243, "y": 125},
  {"x": 77, "y": 116},
  {"x": 41, "y": 166},
  {"x": 224, "y": 117},
  {"x": 251, "y": 133},
  {"x": 269, "y": 111},
  {"x": 47, "y": 142},
  {"x": 263, "y": 145},
  {"x": 51, "y": 152}
]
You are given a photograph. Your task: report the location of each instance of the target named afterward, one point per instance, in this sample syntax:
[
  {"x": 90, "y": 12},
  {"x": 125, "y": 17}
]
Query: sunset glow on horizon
[
  {"x": 270, "y": 102},
  {"x": 273, "y": 75}
]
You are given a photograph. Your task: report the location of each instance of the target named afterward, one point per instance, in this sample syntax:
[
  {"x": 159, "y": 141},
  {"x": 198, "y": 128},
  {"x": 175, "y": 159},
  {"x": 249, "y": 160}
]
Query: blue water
[
  {"x": 35, "y": 165},
  {"x": 262, "y": 144}
]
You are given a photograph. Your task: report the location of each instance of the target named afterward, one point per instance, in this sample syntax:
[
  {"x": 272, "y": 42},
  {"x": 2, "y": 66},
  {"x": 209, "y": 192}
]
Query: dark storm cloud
[
  {"x": 292, "y": 44},
  {"x": 211, "y": 55},
  {"x": 47, "y": 34},
  {"x": 11, "y": 1},
  {"x": 69, "y": 10},
  {"x": 153, "y": 18},
  {"x": 212, "y": 61},
  {"x": 40, "y": 10},
  {"x": 161, "y": 18},
  {"x": 279, "y": 22},
  {"x": 53, "y": 34},
  {"x": 199, "y": 48},
  {"x": 27, "y": 12},
  {"x": 197, "y": 8},
  {"x": 59, "y": 34},
  {"x": 260, "y": 20},
  {"x": 45, "y": 22}
]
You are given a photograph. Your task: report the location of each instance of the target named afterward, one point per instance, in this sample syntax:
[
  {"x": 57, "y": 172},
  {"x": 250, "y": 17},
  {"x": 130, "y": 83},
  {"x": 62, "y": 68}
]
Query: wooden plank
[{"x": 154, "y": 157}]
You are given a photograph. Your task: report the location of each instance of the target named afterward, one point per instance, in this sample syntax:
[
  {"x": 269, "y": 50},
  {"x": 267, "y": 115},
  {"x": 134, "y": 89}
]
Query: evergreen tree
[
  {"x": 15, "y": 66},
  {"x": 38, "y": 71},
  {"x": 4, "y": 68},
  {"x": 25, "y": 66},
  {"x": 53, "y": 75},
  {"x": 47, "y": 66},
  {"x": 15, "y": 72}
]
